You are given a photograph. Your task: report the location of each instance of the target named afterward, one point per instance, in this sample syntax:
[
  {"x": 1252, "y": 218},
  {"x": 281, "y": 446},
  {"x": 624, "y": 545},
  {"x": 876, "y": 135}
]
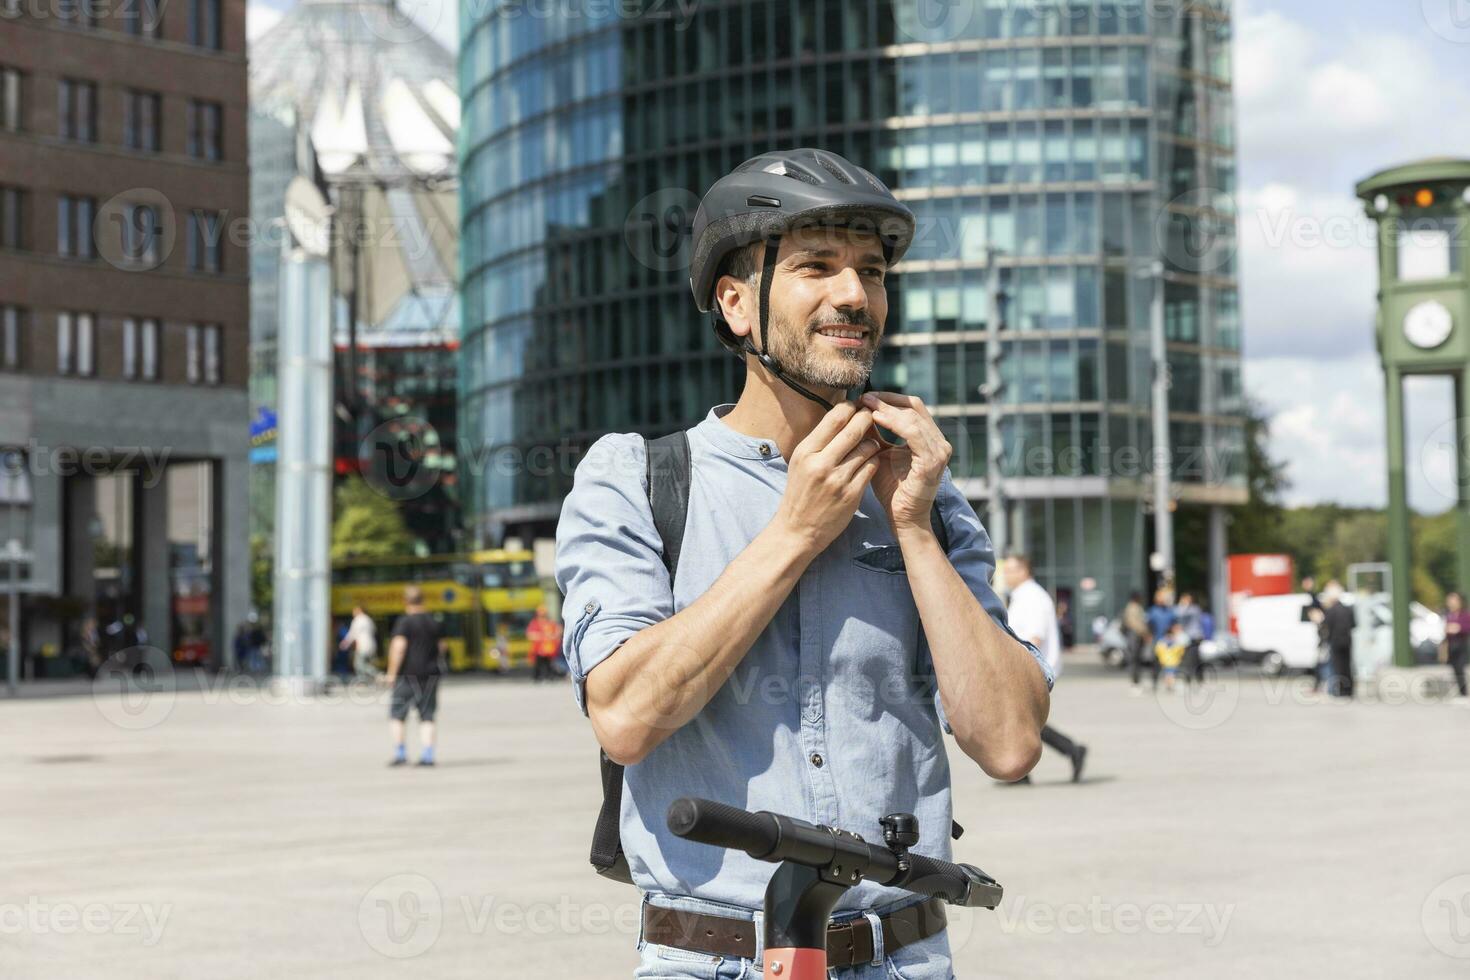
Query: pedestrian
[
  {"x": 1169, "y": 652},
  {"x": 1033, "y": 618},
  {"x": 1187, "y": 614},
  {"x": 1317, "y": 614},
  {"x": 1456, "y": 640},
  {"x": 816, "y": 559},
  {"x": 415, "y": 663},
  {"x": 240, "y": 645},
  {"x": 1338, "y": 623},
  {"x": 545, "y": 638},
  {"x": 362, "y": 640},
  {"x": 1140, "y": 642}
]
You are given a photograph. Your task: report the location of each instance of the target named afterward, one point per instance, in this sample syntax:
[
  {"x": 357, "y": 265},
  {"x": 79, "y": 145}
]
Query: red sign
[{"x": 1253, "y": 575}]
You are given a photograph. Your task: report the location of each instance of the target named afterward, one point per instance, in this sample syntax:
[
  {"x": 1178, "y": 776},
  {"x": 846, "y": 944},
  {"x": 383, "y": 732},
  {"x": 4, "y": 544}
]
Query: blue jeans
[{"x": 928, "y": 959}]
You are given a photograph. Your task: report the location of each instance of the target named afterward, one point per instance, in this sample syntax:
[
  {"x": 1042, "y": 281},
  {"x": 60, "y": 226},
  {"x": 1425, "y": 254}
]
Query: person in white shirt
[
  {"x": 362, "y": 637},
  {"x": 1033, "y": 617}
]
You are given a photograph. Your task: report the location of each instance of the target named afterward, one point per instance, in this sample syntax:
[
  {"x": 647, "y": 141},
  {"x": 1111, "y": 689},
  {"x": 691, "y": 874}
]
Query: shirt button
[
  {"x": 817, "y": 759},
  {"x": 765, "y": 449},
  {"x": 590, "y": 606}
]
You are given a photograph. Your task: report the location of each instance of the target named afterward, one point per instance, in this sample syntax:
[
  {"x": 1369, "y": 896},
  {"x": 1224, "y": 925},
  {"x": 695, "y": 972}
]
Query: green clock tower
[{"x": 1422, "y": 211}]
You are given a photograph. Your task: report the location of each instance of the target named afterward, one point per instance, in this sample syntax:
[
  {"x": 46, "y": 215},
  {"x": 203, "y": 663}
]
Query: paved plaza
[{"x": 227, "y": 833}]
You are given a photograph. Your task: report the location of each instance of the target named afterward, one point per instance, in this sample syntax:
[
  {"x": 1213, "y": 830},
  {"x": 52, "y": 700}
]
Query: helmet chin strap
[{"x": 768, "y": 273}]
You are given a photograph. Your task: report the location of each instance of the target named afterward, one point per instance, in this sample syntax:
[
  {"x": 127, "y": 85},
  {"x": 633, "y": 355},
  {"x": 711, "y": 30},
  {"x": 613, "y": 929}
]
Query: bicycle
[{"x": 816, "y": 865}]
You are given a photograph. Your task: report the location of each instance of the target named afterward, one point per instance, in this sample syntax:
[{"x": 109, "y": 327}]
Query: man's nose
[{"x": 847, "y": 291}]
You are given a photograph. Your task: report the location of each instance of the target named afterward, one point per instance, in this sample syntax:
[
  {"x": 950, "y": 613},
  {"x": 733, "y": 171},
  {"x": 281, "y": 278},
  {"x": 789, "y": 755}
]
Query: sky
[{"x": 1327, "y": 92}]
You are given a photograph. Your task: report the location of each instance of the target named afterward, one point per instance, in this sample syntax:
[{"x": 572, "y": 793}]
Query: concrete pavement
[{"x": 224, "y": 834}]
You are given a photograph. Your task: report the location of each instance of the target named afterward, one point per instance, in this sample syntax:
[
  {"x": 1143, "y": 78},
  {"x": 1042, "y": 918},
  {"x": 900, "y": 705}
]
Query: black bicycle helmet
[{"x": 768, "y": 196}]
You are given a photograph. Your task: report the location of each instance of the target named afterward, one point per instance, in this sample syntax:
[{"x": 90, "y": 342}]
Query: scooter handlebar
[
  {"x": 722, "y": 825},
  {"x": 772, "y": 837}
]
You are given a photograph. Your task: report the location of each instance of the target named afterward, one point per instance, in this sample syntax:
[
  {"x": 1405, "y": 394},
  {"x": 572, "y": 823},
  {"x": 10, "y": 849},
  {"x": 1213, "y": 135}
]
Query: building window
[
  {"x": 204, "y": 247},
  {"x": 141, "y": 121},
  {"x": 76, "y": 110},
  {"x": 205, "y": 142},
  {"x": 12, "y": 217},
  {"x": 140, "y": 349},
  {"x": 12, "y": 325},
  {"x": 12, "y": 101},
  {"x": 75, "y": 333},
  {"x": 143, "y": 18},
  {"x": 141, "y": 234},
  {"x": 74, "y": 226},
  {"x": 202, "y": 353},
  {"x": 204, "y": 24}
]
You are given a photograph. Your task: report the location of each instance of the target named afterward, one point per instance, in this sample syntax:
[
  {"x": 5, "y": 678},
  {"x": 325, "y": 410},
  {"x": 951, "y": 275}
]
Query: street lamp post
[
  {"x": 14, "y": 555},
  {"x": 1163, "y": 452}
]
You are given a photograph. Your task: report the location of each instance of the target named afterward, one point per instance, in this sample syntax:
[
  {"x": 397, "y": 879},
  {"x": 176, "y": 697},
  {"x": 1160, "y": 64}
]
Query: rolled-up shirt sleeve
[
  {"x": 973, "y": 556},
  {"x": 609, "y": 559}
]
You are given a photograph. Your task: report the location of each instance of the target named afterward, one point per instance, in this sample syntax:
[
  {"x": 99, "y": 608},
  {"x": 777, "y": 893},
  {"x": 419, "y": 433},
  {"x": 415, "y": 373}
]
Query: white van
[{"x": 1276, "y": 630}]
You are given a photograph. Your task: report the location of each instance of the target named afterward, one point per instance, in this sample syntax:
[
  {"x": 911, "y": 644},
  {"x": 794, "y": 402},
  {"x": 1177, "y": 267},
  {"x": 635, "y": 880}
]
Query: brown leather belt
[{"x": 849, "y": 943}]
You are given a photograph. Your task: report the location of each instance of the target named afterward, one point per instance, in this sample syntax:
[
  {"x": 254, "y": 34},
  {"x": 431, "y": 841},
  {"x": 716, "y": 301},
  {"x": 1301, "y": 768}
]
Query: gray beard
[{"x": 795, "y": 349}]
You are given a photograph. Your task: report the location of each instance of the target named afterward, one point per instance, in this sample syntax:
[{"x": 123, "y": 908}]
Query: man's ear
[{"x": 736, "y": 301}]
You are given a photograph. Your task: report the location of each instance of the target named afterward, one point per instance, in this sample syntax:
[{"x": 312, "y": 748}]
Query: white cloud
[{"x": 1328, "y": 426}]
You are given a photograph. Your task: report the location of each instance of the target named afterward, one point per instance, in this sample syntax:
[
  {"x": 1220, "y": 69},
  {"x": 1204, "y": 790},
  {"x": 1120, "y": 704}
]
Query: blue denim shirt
[{"x": 831, "y": 716}]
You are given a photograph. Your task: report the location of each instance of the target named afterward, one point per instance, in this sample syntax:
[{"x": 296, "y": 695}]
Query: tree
[
  {"x": 1256, "y": 525},
  {"x": 367, "y": 524}
]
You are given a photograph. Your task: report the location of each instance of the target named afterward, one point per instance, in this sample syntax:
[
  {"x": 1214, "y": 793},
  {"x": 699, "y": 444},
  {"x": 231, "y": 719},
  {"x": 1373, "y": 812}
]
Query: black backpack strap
[
  {"x": 937, "y": 523},
  {"x": 668, "y": 492},
  {"x": 668, "y": 498}
]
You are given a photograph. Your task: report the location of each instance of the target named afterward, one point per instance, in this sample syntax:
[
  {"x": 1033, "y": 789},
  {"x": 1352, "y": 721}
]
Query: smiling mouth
[{"x": 844, "y": 336}]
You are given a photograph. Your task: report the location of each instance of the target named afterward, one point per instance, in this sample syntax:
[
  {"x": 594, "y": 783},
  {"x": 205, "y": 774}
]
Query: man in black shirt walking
[
  {"x": 415, "y": 655},
  {"x": 1337, "y": 632}
]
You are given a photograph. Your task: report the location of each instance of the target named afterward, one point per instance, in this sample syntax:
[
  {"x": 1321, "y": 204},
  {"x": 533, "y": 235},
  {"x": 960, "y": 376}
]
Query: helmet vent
[
  {"x": 785, "y": 168},
  {"x": 832, "y": 168}
]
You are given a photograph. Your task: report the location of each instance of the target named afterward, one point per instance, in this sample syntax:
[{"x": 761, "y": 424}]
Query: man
[
  {"x": 1338, "y": 623},
  {"x": 817, "y": 639},
  {"x": 362, "y": 640},
  {"x": 545, "y": 639},
  {"x": 1316, "y": 613},
  {"x": 1187, "y": 615},
  {"x": 415, "y": 656},
  {"x": 1140, "y": 641},
  {"x": 1034, "y": 619}
]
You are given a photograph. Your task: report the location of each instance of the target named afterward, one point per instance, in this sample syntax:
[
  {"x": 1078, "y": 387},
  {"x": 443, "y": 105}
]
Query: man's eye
[{"x": 876, "y": 273}]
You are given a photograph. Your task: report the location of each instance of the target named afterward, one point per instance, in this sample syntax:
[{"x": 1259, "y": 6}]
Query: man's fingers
[
  {"x": 846, "y": 440},
  {"x": 828, "y": 426},
  {"x": 861, "y": 453},
  {"x": 900, "y": 401}
]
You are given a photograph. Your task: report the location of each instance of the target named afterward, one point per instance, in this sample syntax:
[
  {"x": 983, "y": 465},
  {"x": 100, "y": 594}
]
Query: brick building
[{"x": 124, "y": 309}]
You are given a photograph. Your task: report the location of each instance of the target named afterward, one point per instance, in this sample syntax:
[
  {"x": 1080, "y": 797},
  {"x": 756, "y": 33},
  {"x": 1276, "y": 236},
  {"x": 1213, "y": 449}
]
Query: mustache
[{"x": 857, "y": 318}]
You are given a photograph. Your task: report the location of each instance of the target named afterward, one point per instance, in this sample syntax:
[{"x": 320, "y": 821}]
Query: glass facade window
[
  {"x": 76, "y": 110},
  {"x": 13, "y": 206},
  {"x": 74, "y": 217},
  {"x": 12, "y": 335},
  {"x": 12, "y": 99}
]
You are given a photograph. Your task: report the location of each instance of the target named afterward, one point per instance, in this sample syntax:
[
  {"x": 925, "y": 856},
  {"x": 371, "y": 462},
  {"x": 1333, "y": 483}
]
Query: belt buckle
[{"x": 843, "y": 940}]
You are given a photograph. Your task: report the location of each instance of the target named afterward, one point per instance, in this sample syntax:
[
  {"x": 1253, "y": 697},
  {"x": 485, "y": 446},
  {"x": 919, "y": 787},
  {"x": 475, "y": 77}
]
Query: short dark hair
[
  {"x": 741, "y": 264},
  {"x": 1019, "y": 556}
]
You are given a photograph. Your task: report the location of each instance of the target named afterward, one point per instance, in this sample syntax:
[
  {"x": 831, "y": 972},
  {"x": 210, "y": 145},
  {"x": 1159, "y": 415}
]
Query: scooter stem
[{"x": 799, "y": 903}]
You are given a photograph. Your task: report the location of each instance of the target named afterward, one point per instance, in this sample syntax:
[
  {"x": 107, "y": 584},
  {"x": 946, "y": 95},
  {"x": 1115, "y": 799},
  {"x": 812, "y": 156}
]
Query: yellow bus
[{"x": 482, "y": 599}]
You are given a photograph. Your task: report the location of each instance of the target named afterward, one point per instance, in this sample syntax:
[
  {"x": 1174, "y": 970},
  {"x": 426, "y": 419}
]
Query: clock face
[{"x": 1428, "y": 325}]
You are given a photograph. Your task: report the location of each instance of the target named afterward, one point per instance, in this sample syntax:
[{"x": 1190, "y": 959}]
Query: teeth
[{"x": 851, "y": 334}]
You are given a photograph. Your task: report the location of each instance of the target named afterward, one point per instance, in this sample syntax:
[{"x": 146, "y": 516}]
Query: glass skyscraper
[{"x": 1074, "y": 143}]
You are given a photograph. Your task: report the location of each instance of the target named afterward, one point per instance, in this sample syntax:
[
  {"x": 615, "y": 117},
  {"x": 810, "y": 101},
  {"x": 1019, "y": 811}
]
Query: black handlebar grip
[
  {"x": 723, "y": 825},
  {"x": 958, "y": 884}
]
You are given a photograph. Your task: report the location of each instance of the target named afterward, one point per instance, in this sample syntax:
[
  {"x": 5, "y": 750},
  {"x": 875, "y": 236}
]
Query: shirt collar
[{"x": 727, "y": 440}]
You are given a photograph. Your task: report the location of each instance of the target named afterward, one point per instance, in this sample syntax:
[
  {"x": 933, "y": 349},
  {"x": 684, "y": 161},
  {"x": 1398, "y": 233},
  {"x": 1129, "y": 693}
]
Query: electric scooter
[{"x": 816, "y": 865}]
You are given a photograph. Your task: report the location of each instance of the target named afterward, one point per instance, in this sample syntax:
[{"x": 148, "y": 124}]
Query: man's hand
[
  {"x": 827, "y": 474},
  {"x": 908, "y": 476}
]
